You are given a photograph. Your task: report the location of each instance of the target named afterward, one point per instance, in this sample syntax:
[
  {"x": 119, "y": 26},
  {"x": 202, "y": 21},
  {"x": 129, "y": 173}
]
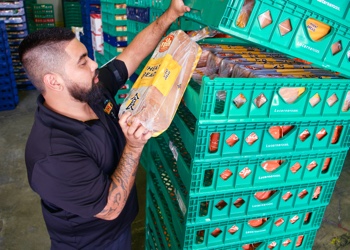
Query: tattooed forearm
[{"x": 122, "y": 181}]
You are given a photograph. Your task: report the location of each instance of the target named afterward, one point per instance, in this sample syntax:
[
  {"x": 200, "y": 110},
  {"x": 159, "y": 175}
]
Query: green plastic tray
[
  {"x": 203, "y": 102},
  {"x": 191, "y": 204},
  {"x": 296, "y": 43},
  {"x": 160, "y": 219},
  {"x": 111, "y": 9},
  {"x": 204, "y": 177},
  {"x": 196, "y": 136},
  {"x": 121, "y": 94},
  {"x": 153, "y": 236},
  {"x": 186, "y": 231}
]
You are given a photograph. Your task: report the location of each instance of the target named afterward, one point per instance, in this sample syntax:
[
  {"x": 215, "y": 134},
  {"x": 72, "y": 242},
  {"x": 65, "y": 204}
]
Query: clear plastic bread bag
[{"x": 157, "y": 92}]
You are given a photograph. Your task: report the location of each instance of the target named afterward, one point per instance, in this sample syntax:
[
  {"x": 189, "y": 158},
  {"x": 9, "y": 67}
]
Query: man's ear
[{"x": 53, "y": 81}]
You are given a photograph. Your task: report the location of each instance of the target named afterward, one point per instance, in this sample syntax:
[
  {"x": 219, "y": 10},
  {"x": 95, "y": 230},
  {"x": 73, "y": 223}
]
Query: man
[{"x": 81, "y": 159}]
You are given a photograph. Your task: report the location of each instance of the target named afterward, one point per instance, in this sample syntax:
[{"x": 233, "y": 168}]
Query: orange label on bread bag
[{"x": 164, "y": 46}]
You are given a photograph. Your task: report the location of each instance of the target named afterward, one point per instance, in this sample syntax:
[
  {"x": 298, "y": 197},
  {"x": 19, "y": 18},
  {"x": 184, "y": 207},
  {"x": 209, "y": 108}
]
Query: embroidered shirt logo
[{"x": 108, "y": 108}]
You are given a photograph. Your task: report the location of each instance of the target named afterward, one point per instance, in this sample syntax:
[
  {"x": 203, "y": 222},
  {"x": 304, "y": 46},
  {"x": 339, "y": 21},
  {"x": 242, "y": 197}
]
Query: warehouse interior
[{"x": 195, "y": 208}]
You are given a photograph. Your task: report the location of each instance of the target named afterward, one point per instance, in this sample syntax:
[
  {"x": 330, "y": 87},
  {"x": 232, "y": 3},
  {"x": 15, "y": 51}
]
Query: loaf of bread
[{"x": 157, "y": 92}]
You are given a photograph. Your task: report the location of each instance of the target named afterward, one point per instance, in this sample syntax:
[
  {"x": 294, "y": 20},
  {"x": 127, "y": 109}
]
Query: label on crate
[
  {"x": 181, "y": 202},
  {"x": 263, "y": 205},
  {"x": 173, "y": 150},
  {"x": 269, "y": 176},
  {"x": 255, "y": 232},
  {"x": 329, "y": 4}
]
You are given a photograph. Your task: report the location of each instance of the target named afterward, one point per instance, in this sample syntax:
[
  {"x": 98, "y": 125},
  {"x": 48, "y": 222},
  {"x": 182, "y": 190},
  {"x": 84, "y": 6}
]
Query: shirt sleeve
[
  {"x": 113, "y": 75},
  {"x": 84, "y": 193}
]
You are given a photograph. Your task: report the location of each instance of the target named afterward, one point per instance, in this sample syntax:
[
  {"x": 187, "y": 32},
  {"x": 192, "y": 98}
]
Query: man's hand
[
  {"x": 136, "y": 135},
  {"x": 177, "y": 8}
]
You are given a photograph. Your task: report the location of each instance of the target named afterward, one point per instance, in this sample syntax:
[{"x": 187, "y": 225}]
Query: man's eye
[{"x": 84, "y": 63}]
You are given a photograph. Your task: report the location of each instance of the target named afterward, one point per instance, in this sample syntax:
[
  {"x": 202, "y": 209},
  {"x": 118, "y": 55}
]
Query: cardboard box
[
  {"x": 97, "y": 42},
  {"x": 96, "y": 24}
]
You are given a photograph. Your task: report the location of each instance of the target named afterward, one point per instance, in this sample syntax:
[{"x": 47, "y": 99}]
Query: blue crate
[
  {"x": 8, "y": 81},
  {"x": 112, "y": 40},
  {"x": 13, "y": 19},
  {"x": 5, "y": 54},
  {"x": 6, "y": 73},
  {"x": 15, "y": 41},
  {"x": 12, "y": 12},
  {"x": 90, "y": 2},
  {"x": 11, "y": 5},
  {"x": 138, "y": 14},
  {"x": 87, "y": 8},
  {"x": 24, "y": 84},
  {"x": 8, "y": 98},
  {"x": 17, "y": 34},
  {"x": 16, "y": 26}
]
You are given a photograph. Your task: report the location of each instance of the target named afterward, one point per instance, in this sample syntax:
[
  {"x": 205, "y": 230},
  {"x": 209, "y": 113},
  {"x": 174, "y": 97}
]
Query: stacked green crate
[
  {"x": 115, "y": 37},
  {"x": 30, "y": 15},
  {"x": 44, "y": 16},
  {"x": 114, "y": 27},
  {"x": 72, "y": 13},
  {"x": 208, "y": 185}
]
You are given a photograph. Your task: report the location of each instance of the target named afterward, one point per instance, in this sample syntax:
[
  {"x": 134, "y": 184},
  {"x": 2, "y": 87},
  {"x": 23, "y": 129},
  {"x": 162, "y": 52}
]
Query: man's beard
[{"x": 91, "y": 96}]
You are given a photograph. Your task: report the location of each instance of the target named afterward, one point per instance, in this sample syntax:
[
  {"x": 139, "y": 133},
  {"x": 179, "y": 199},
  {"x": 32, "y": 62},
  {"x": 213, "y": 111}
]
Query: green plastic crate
[
  {"x": 153, "y": 237},
  {"x": 206, "y": 177},
  {"x": 159, "y": 215},
  {"x": 157, "y": 4},
  {"x": 197, "y": 136},
  {"x": 44, "y": 16},
  {"x": 202, "y": 207},
  {"x": 155, "y": 234},
  {"x": 113, "y": 1},
  {"x": 111, "y": 51},
  {"x": 123, "y": 92},
  {"x": 202, "y": 100},
  {"x": 336, "y": 10},
  {"x": 111, "y": 19},
  {"x": 186, "y": 231},
  {"x": 42, "y": 7},
  {"x": 115, "y": 31},
  {"x": 140, "y": 3},
  {"x": 296, "y": 43},
  {"x": 111, "y": 9},
  {"x": 191, "y": 243}
]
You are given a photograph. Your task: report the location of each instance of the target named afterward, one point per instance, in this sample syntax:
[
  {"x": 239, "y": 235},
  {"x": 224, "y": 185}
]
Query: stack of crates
[
  {"x": 8, "y": 88},
  {"x": 44, "y": 16},
  {"x": 72, "y": 13},
  {"x": 114, "y": 28},
  {"x": 140, "y": 13},
  {"x": 30, "y": 15},
  {"x": 209, "y": 185},
  {"x": 88, "y": 7},
  {"x": 12, "y": 13}
]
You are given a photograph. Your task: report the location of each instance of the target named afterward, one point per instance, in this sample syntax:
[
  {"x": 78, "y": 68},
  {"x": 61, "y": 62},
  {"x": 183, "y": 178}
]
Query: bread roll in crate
[
  {"x": 243, "y": 83},
  {"x": 293, "y": 27}
]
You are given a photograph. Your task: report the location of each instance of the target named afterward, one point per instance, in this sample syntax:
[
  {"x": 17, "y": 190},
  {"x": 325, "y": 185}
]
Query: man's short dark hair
[{"x": 43, "y": 52}]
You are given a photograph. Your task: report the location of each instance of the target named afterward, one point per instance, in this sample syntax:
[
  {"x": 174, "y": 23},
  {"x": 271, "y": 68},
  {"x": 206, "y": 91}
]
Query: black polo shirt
[{"x": 69, "y": 164}]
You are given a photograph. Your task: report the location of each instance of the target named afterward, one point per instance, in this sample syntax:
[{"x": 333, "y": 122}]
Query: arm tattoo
[{"x": 120, "y": 186}]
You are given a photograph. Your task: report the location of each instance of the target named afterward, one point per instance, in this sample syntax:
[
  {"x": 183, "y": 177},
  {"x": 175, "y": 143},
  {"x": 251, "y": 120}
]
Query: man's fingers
[{"x": 124, "y": 118}]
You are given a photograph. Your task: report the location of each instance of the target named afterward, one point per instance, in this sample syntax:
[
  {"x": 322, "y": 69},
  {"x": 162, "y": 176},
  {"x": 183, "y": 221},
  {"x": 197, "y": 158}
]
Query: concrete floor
[{"x": 21, "y": 223}]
